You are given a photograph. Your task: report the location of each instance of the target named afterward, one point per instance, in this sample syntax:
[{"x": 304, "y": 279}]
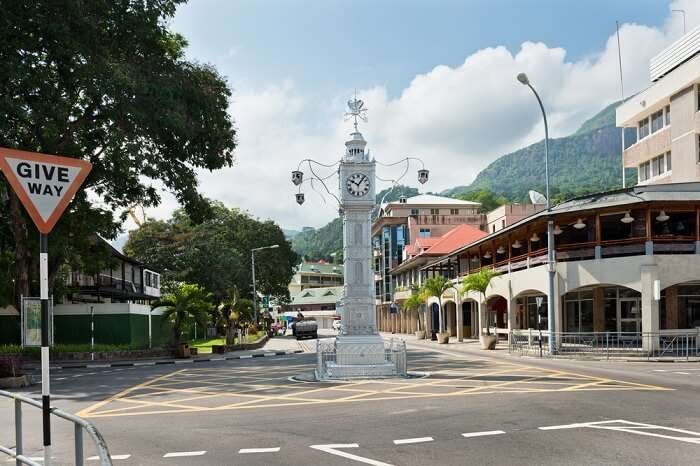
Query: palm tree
[
  {"x": 186, "y": 304},
  {"x": 234, "y": 310},
  {"x": 479, "y": 282},
  {"x": 413, "y": 304},
  {"x": 436, "y": 286}
]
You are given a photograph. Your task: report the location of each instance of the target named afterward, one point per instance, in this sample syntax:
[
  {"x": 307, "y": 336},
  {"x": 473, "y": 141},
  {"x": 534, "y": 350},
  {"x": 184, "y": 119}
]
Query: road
[{"x": 463, "y": 409}]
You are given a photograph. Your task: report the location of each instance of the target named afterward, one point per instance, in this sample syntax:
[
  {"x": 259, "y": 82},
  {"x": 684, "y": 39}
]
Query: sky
[{"x": 438, "y": 78}]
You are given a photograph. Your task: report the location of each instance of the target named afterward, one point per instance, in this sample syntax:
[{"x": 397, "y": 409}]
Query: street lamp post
[
  {"x": 252, "y": 262},
  {"x": 551, "y": 266}
]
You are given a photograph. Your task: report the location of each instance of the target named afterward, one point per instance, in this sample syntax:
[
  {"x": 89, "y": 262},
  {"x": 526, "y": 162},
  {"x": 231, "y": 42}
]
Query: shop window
[
  {"x": 673, "y": 224},
  {"x": 578, "y": 311},
  {"x": 689, "y": 306}
]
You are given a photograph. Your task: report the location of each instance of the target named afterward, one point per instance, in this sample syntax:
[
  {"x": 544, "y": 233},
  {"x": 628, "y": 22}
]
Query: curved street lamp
[{"x": 551, "y": 299}]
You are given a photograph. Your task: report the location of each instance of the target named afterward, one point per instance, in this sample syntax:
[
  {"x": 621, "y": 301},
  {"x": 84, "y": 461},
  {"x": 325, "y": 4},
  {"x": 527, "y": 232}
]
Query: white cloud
[{"x": 457, "y": 119}]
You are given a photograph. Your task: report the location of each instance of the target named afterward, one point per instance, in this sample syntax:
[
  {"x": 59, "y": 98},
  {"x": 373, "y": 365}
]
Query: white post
[{"x": 45, "y": 322}]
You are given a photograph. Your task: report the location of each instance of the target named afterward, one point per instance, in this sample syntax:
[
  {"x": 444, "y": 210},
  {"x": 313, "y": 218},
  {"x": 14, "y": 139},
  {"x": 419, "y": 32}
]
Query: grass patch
[{"x": 204, "y": 345}]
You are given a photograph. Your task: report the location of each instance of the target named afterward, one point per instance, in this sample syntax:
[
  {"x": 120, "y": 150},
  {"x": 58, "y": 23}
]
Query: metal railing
[
  {"x": 666, "y": 343},
  {"x": 79, "y": 425},
  {"x": 394, "y": 354}
]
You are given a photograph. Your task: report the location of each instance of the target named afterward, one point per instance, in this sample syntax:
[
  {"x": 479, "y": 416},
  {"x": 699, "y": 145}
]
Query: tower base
[{"x": 361, "y": 356}]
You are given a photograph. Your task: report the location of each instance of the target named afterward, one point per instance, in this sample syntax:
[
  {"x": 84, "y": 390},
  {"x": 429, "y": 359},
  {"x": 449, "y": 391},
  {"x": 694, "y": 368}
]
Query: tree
[
  {"x": 488, "y": 199},
  {"x": 106, "y": 81},
  {"x": 216, "y": 253},
  {"x": 233, "y": 311},
  {"x": 188, "y": 303},
  {"x": 435, "y": 287},
  {"x": 413, "y": 304},
  {"x": 479, "y": 282}
]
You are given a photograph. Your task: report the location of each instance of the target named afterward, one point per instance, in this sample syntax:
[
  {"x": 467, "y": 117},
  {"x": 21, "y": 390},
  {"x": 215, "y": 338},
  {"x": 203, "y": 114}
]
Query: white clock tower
[{"x": 358, "y": 351}]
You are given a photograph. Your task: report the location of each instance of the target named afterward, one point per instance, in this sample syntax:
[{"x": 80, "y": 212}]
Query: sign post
[{"x": 45, "y": 184}]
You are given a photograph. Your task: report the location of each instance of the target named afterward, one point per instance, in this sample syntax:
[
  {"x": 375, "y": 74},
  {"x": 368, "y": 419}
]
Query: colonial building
[
  {"x": 627, "y": 267},
  {"x": 315, "y": 275},
  {"x": 317, "y": 303}
]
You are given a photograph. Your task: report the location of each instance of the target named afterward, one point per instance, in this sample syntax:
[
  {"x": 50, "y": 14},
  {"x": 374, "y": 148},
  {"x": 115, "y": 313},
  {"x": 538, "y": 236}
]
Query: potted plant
[
  {"x": 435, "y": 287},
  {"x": 480, "y": 282},
  {"x": 413, "y": 304}
]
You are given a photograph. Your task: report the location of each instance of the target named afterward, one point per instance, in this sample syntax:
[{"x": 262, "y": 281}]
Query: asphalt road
[{"x": 468, "y": 409}]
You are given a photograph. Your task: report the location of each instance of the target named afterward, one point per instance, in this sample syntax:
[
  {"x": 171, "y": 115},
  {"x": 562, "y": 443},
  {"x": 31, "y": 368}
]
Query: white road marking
[
  {"x": 259, "y": 450},
  {"x": 406, "y": 441},
  {"x": 218, "y": 359},
  {"x": 332, "y": 449},
  {"x": 682, "y": 373},
  {"x": 659, "y": 370},
  {"x": 482, "y": 434},
  {"x": 177, "y": 454},
  {"x": 114, "y": 457},
  {"x": 61, "y": 378},
  {"x": 246, "y": 356},
  {"x": 634, "y": 428}
]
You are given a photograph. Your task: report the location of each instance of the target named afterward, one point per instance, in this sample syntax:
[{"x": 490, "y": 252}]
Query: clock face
[{"x": 357, "y": 184}]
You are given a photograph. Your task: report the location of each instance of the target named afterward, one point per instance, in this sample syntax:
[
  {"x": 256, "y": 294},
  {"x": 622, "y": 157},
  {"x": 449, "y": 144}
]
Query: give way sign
[{"x": 44, "y": 183}]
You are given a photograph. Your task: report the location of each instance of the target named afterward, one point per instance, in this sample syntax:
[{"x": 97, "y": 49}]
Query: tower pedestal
[{"x": 358, "y": 356}]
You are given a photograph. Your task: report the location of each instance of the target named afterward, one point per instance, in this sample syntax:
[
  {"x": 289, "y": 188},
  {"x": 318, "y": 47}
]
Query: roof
[
  {"x": 623, "y": 198},
  {"x": 457, "y": 237},
  {"x": 320, "y": 267},
  {"x": 431, "y": 199},
  {"x": 326, "y": 295}
]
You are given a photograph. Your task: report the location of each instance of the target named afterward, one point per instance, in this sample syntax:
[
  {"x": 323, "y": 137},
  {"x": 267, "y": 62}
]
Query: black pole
[{"x": 45, "y": 323}]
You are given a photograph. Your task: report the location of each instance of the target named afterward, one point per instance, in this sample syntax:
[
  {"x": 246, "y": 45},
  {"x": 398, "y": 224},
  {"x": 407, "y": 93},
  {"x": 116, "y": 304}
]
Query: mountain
[
  {"x": 584, "y": 162},
  {"x": 587, "y": 161},
  {"x": 321, "y": 243},
  {"x": 289, "y": 234}
]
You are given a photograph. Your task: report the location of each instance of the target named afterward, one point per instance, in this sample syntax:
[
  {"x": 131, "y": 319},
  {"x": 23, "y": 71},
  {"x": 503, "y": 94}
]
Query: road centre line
[
  {"x": 258, "y": 450},
  {"x": 178, "y": 454},
  {"x": 406, "y": 441},
  {"x": 482, "y": 434}
]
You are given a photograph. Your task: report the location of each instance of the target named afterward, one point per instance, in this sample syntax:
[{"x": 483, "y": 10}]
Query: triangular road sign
[{"x": 44, "y": 183}]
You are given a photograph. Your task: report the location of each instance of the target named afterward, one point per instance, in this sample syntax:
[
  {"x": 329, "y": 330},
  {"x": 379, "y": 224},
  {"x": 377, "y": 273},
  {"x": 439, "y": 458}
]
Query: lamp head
[{"x": 522, "y": 77}]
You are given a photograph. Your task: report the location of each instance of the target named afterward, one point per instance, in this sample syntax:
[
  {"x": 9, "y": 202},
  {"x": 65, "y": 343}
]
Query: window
[
  {"x": 424, "y": 232},
  {"x": 579, "y": 311},
  {"x": 148, "y": 278},
  {"x": 434, "y": 211},
  {"x": 454, "y": 211},
  {"x": 668, "y": 161},
  {"x": 657, "y": 121},
  {"x": 643, "y": 172},
  {"x": 414, "y": 211},
  {"x": 643, "y": 130},
  {"x": 493, "y": 228},
  {"x": 668, "y": 115}
]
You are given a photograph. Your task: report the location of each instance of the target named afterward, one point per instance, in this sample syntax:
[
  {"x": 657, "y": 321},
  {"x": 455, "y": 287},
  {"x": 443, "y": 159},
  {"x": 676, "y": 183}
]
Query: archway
[
  {"x": 435, "y": 316},
  {"x": 604, "y": 308},
  {"x": 450, "y": 317},
  {"x": 530, "y": 310},
  {"x": 497, "y": 312},
  {"x": 679, "y": 307},
  {"x": 470, "y": 318}
]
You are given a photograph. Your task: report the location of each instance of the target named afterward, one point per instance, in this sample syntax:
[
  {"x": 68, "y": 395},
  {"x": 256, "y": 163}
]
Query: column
[
  {"x": 460, "y": 322},
  {"x": 599, "y": 309},
  {"x": 650, "y": 308},
  {"x": 480, "y": 310}
]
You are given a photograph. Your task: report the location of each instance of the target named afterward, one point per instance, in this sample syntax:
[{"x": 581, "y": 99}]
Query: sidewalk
[
  {"x": 469, "y": 346},
  {"x": 278, "y": 346}
]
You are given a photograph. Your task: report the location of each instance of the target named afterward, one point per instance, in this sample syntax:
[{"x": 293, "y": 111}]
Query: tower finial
[{"x": 357, "y": 110}]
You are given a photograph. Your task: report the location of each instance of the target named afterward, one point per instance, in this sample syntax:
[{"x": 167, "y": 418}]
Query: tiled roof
[
  {"x": 326, "y": 295},
  {"x": 456, "y": 238}
]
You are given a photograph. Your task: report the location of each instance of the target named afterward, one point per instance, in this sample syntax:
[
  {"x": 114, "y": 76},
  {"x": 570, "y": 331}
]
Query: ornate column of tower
[{"x": 359, "y": 348}]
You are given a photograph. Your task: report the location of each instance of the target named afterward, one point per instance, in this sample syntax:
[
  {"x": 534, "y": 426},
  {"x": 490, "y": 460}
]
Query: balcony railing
[{"x": 448, "y": 219}]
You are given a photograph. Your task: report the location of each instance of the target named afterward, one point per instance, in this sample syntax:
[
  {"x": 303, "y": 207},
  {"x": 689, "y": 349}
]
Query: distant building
[
  {"x": 400, "y": 223},
  {"x": 508, "y": 214},
  {"x": 317, "y": 303},
  {"x": 666, "y": 150},
  {"x": 315, "y": 275}
]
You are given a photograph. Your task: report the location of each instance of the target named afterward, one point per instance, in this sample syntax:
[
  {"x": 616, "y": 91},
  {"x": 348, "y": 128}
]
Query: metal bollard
[
  {"x": 79, "y": 457},
  {"x": 18, "y": 430}
]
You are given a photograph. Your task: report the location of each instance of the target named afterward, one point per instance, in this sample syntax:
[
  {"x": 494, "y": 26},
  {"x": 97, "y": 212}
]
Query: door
[{"x": 629, "y": 315}]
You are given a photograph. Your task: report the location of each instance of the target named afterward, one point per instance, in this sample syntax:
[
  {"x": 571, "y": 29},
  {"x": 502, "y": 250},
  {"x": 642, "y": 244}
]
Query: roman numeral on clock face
[{"x": 358, "y": 184}]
